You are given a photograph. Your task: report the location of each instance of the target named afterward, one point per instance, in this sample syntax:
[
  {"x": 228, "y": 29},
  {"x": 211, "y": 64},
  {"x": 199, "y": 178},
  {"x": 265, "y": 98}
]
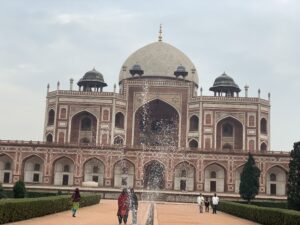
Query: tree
[
  {"x": 293, "y": 186},
  {"x": 1, "y": 191},
  {"x": 19, "y": 189},
  {"x": 249, "y": 185}
]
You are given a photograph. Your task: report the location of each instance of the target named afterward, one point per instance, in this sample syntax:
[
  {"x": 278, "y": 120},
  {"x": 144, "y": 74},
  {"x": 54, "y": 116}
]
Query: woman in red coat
[{"x": 123, "y": 207}]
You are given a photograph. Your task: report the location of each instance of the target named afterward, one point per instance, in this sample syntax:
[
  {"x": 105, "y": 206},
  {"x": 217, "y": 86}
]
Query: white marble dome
[{"x": 159, "y": 59}]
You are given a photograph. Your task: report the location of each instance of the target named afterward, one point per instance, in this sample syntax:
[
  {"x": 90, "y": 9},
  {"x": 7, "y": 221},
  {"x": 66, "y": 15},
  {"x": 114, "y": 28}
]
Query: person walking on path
[
  {"x": 133, "y": 206},
  {"x": 206, "y": 203},
  {"x": 75, "y": 201},
  {"x": 215, "y": 203},
  {"x": 200, "y": 201},
  {"x": 123, "y": 207}
]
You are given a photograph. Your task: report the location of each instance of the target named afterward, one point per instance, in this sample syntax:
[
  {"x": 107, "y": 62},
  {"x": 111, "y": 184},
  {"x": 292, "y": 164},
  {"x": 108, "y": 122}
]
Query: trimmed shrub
[
  {"x": 262, "y": 215},
  {"x": 293, "y": 190},
  {"x": 21, "y": 209},
  {"x": 268, "y": 204},
  {"x": 1, "y": 191},
  {"x": 249, "y": 180},
  {"x": 10, "y": 194},
  {"x": 19, "y": 189},
  {"x": 39, "y": 194}
]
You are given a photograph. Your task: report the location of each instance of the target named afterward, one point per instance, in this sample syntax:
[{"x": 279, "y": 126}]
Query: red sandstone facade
[{"x": 156, "y": 132}]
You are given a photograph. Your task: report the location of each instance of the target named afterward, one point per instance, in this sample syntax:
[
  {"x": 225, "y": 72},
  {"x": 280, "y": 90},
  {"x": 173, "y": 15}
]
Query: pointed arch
[
  {"x": 238, "y": 173},
  {"x": 83, "y": 127},
  {"x": 51, "y": 117},
  {"x": 276, "y": 180},
  {"x": 63, "y": 170},
  {"x": 263, "y": 126},
  {"x": 194, "y": 123},
  {"x": 119, "y": 120},
  {"x": 118, "y": 140},
  {"x": 94, "y": 171},
  {"x": 154, "y": 175},
  {"x": 49, "y": 138},
  {"x": 230, "y": 130},
  {"x": 124, "y": 173},
  {"x": 6, "y": 168},
  {"x": 184, "y": 176},
  {"x": 215, "y": 183},
  {"x": 193, "y": 143},
  {"x": 263, "y": 147},
  {"x": 156, "y": 123},
  {"x": 33, "y": 169}
]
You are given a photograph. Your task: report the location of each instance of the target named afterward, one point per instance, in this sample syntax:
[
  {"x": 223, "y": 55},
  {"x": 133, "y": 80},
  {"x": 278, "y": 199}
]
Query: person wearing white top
[
  {"x": 200, "y": 201},
  {"x": 215, "y": 202}
]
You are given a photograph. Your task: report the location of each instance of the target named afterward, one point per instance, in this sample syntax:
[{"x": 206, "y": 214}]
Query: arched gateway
[
  {"x": 154, "y": 175},
  {"x": 156, "y": 124}
]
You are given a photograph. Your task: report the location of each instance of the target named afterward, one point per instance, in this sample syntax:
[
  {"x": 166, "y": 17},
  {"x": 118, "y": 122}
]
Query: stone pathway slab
[{"x": 188, "y": 214}]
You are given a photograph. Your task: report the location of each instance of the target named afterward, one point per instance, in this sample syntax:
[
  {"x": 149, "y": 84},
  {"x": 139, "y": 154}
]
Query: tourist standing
[
  {"x": 200, "y": 201},
  {"x": 123, "y": 207},
  {"x": 215, "y": 203},
  {"x": 133, "y": 206},
  {"x": 206, "y": 203},
  {"x": 75, "y": 201}
]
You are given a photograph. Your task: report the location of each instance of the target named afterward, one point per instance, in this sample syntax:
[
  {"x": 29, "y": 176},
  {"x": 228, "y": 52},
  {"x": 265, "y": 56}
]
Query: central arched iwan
[{"x": 156, "y": 124}]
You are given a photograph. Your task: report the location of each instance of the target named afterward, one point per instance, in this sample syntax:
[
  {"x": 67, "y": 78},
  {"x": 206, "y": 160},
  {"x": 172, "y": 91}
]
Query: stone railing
[
  {"x": 168, "y": 149},
  {"x": 161, "y": 83},
  {"x": 83, "y": 93},
  {"x": 222, "y": 99}
]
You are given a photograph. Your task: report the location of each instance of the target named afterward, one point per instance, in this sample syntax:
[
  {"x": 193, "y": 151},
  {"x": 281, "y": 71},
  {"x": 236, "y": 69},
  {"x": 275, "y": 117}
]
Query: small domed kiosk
[
  {"x": 224, "y": 84},
  {"x": 92, "y": 81}
]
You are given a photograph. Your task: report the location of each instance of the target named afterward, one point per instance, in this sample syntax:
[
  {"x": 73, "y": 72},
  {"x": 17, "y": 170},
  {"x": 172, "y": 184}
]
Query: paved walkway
[
  {"x": 188, "y": 214},
  {"x": 166, "y": 214},
  {"x": 104, "y": 213}
]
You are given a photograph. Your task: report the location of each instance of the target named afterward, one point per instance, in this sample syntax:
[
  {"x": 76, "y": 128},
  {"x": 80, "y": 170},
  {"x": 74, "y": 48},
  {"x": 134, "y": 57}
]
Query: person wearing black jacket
[{"x": 133, "y": 206}]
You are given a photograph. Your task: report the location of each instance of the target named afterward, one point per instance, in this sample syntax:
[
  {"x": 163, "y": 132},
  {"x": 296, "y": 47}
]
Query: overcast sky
[{"x": 256, "y": 42}]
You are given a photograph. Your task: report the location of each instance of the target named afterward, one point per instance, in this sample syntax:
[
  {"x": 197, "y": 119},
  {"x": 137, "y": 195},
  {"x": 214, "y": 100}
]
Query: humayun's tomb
[{"x": 156, "y": 132}]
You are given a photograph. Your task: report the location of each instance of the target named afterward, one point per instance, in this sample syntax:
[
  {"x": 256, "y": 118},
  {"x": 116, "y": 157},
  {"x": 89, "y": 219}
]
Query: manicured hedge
[
  {"x": 269, "y": 204},
  {"x": 262, "y": 215},
  {"x": 10, "y": 194},
  {"x": 21, "y": 209}
]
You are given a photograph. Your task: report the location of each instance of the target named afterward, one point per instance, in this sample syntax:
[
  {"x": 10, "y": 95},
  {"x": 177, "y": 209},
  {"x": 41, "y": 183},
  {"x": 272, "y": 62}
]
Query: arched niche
[
  {"x": 94, "y": 171},
  {"x": 51, "y": 117},
  {"x": 118, "y": 141},
  {"x": 6, "y": 169},
  {"x": 229, "y": 133},
  {"x": 193, "y": 143},
  {"x": 194, "y": 123},
  {"x": 119, "y": 120},
  {"x": 49, "y": 138},
  {"x": 154, "y": 175},
  {"x": 276, "y": 180},
  {"x": 33, "y": 169},
  {"x": 123, "y": 174},
  {"x": 238, "y": 173},
  {"x": 84, "y": 128},
  {"x": 214, "y": 178},
  {"x": 263, "y": 126},
  {"x": 184, "y": 176},
  {"x": 63, "y": 171},
  {"x": 263, "y": 147}
]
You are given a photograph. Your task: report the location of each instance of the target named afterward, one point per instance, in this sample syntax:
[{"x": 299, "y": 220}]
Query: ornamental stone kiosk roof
[
  {"x": 92, "y": 80},
  {"x": 161, "y": 60},
  {"x": 225, "y": 84}
]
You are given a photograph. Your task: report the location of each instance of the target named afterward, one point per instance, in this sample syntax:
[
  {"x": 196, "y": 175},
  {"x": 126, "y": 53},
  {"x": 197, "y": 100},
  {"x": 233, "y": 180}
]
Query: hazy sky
[{"x": 256, "y": 42}]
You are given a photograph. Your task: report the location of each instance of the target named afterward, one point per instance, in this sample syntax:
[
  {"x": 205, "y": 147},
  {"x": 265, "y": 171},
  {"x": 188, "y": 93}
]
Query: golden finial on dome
[{"x": 160, "y": 33}]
